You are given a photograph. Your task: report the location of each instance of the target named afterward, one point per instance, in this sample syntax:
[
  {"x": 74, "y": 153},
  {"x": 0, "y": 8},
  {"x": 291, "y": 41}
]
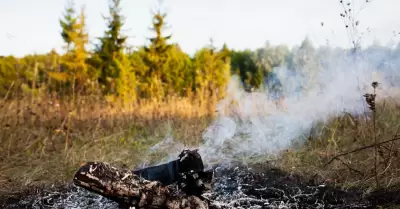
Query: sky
[{"x": 29, "y": 26}]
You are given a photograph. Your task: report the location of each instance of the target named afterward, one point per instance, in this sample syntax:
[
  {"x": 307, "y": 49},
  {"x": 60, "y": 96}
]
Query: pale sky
[{"x": 32, "y": 26}]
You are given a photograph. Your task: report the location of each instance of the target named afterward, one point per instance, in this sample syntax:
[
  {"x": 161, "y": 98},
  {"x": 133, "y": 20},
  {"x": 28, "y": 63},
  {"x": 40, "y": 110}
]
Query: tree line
[{"x": 154, "y": 71}]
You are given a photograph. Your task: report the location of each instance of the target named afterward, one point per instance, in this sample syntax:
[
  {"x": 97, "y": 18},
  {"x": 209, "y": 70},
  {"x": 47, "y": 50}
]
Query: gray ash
[
  {"x": 61, "y": 197},
  {"x": 242, "y": 188}
]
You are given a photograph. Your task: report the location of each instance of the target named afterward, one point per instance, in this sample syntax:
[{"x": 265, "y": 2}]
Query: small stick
[
  {"x": 350, "y": 168},
  {"x": 361, "y": 148}
]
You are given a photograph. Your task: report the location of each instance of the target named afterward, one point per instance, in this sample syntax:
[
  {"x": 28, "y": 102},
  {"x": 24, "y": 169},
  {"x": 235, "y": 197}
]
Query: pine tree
[
  {"x": 111, "y": 47},
  {"x": 156, "y": 57},
  {"x": 68, "y": 22},
  {"x": 244, "y": 64},
  {"x": 74, "y": 73},
  {"x": 79, "y": 53}
]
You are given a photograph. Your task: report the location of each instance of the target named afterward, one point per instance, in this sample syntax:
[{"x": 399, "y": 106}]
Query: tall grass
[{"x": 44, "y": 140}]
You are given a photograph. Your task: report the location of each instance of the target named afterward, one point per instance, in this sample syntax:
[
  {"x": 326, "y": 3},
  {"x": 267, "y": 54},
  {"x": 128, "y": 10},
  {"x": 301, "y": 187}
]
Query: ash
[
  {"x": 68, "y": 196},
  {"x": 244, "y": 188},
  {"x": 238, "y": 187}
]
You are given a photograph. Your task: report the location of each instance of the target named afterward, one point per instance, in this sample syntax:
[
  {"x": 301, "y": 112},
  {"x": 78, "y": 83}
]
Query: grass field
[{"x": 45, "y": 141}]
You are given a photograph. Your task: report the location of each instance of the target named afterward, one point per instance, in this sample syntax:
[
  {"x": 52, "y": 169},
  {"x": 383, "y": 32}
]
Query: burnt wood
[
  {"x": 128, "y": 189},
  {"x": 177, "y": 184}
]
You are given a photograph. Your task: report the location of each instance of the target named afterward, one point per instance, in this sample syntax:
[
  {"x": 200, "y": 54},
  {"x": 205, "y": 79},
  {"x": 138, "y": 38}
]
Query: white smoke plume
[{"x": 251, "y": 124}]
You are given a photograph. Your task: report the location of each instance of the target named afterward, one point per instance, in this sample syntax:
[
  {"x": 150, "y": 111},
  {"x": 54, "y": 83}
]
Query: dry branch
[{"x": 360, "y": 149}]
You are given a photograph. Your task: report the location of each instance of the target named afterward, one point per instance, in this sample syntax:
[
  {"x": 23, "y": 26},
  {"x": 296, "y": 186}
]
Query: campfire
[{"x": 183, "y": 183}]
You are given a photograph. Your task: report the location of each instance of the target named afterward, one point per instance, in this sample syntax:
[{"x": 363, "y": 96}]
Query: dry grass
[
  {"x": 346, "y": 133},
  {"x": 45, "y": 141}
]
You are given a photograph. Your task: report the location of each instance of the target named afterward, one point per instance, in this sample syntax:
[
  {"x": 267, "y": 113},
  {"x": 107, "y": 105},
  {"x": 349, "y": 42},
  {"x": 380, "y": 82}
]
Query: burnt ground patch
[
  {"x": 272, "y": 188},
  {"x": 239, "y": 187},
  {"x": 62, "y": 196}
]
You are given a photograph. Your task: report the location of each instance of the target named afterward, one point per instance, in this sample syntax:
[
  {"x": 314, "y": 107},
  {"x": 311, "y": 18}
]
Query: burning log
[{"x": 177, "y": 184}]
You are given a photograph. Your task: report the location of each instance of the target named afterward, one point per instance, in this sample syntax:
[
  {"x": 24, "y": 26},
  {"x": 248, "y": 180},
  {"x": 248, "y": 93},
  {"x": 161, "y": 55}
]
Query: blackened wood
[
  {"x": 171, "y": 172},
  {"x": 128, "y": 189}
]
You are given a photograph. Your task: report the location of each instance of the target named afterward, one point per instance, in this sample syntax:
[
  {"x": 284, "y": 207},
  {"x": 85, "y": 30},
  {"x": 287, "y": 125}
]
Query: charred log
[
  {"x": 177, "y": 184},
  {"x": 128, "y": 189},
  {"x": 169, "y": 173}
]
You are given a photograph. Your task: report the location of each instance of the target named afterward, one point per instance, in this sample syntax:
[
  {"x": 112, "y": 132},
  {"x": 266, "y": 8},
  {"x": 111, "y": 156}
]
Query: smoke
[{"x": 315, "y": 87}]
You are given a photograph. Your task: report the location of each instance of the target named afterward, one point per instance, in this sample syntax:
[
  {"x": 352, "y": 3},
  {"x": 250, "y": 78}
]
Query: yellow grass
[{"x": 45, "y": 141}]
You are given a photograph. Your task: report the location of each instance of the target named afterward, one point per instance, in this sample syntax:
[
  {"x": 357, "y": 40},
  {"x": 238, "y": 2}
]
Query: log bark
[{"x": 128, "y": 189}]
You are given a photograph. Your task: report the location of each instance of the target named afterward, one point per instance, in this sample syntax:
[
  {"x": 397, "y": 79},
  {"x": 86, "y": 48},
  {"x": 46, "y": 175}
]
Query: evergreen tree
[
  {"x": 156, "y": 58},
  {"x": 111, "y": 48},
  {"x": 68, "y": 22},
  {"x": 78, "y": 55},
  {"x": 244, "y": 64},
  {"x": 74, "y": 60}
]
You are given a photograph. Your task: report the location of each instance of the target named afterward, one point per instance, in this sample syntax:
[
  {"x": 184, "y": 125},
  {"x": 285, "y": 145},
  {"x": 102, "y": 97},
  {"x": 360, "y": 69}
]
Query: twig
[
  {"x": 350, "y": 168},
  {"x": 8, "y": 91},
  {"x": 361, "y": 148}
]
